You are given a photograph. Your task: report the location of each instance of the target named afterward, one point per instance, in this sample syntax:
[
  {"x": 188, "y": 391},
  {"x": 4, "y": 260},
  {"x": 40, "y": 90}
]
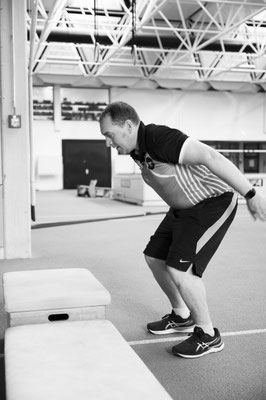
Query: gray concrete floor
[{"x": 111, "y": 249}]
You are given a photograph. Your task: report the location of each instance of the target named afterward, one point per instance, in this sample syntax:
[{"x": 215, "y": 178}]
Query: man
[{"x": 199, "y": 185}]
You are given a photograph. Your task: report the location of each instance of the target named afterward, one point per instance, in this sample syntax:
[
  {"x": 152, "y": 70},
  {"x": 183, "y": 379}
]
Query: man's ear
[{"x": 129, "y": 125}]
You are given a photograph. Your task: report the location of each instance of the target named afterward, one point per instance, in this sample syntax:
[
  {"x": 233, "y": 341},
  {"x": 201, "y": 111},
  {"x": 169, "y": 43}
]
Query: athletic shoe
[
  {"x": 198, "y": 344},
  {"x": 171, "y": 323}
]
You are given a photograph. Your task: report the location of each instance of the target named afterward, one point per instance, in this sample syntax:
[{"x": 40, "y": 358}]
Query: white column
[{"x": 15, "y": 141}]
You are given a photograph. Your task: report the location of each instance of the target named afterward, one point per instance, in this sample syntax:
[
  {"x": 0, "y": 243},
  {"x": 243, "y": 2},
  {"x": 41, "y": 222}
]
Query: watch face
[{"x": 251, "y": 193}]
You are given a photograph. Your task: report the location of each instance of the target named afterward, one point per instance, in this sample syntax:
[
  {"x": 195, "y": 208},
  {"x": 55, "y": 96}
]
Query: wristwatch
[{"x": 250, "y": 194}]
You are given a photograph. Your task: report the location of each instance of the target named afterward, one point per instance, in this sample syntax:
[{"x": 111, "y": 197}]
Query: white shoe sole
[
  {"x": 188, "y": 329},
  {"x": 211, "y": 350}
]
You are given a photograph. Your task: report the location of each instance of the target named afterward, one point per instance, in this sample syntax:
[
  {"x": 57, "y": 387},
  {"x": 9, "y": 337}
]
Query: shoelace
[
  {"x": 168, "y": 315},
  {"x": 196, "y": 336}
]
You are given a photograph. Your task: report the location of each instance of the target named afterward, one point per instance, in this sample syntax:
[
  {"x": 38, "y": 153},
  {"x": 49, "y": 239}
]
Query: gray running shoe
[
  {"x": 198, "y": 344},
  {"x": 171, "y": 323}
]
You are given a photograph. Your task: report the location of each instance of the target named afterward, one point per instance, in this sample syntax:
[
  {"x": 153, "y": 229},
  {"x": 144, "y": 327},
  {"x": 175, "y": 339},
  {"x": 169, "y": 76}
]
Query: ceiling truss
[{"x": 203, "y": 41}]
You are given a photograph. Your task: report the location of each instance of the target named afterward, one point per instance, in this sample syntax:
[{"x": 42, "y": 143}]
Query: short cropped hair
[{"x": 119, "y": 112}]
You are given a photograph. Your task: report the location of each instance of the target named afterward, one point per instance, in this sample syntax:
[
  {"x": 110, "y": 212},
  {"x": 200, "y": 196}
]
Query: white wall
[
  {"x": 48, "y": 134},
  {"x": 202, "y": 115},
  {"x": 223, "y": 116},
  {"x": 48, "y": 148}
]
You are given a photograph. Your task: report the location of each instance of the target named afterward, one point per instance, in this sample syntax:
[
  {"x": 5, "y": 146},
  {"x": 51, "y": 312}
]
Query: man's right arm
[{"x": 195, "y": 152}]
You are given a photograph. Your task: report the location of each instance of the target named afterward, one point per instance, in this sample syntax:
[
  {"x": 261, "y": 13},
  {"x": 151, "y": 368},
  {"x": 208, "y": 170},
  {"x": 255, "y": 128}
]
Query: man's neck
[{"x": 137, "y": 134}]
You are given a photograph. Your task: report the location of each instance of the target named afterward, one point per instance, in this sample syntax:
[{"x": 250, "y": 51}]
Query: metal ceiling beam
[
  {"x": 231, "y": 25},
  {"x": 145, "y": 41},
  {"x": 140, "y": 9},
  {"x": 161, "y": 41},
  {"x": 53, "y": 15}
]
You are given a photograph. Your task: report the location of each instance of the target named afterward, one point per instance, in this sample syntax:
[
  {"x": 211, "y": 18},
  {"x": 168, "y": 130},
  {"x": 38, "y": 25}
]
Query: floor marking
[
  {"x": 64, "y": 216},
  {"x": 176, "y": 338},
  {"x": 137, "y": 219},
  {"x": 52, "y": 224},
  {"x": 149, "y": 341},
  {"x": 239, "y": 333}
]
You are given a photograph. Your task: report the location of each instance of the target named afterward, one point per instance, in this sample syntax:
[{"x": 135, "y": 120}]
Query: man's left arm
[{"x": 195, "y": 152}]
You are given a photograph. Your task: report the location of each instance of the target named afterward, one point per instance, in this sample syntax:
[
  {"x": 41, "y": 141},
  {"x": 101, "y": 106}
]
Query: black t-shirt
[
  {"x": 179, "y": 185},
  {"x": 161, "y": 142}
]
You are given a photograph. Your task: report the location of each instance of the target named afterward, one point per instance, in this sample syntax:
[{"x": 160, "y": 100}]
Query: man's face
[{"x": 119, "y": 137}]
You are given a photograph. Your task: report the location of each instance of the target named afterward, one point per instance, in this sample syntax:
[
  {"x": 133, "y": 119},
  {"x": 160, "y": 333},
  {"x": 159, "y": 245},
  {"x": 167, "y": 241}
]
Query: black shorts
[{"x": 192, "y": 235}]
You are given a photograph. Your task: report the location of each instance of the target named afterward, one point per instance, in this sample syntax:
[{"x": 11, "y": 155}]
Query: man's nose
[{"x": 108, "y": 142}]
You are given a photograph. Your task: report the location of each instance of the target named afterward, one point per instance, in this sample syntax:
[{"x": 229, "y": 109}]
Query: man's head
[{"x": 119, "y": 124}]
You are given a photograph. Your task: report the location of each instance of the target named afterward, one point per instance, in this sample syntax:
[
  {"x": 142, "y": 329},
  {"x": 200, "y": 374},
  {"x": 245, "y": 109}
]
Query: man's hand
[{"x": 257, "y": 207}]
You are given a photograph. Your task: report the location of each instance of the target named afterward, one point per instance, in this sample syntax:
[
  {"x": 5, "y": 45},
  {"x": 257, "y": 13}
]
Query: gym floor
[{"x": 107, "y": 237}]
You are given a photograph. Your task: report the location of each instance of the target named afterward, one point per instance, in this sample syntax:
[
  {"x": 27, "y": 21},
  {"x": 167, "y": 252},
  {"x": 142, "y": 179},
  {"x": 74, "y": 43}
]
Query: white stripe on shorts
[{"x": 214, "y": 228}]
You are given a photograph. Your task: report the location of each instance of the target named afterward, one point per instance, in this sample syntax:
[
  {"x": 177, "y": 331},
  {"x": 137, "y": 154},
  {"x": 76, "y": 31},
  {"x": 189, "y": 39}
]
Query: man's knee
[{"x": 180, "y": 277}]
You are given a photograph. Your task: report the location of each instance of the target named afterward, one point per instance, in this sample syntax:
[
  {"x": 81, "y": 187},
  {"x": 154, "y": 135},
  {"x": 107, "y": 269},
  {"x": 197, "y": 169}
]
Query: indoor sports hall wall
[
  {"x": 207, "y": 115},
  {"x": 215, "y": 115},
  {"x": 203, "y": 115}
]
